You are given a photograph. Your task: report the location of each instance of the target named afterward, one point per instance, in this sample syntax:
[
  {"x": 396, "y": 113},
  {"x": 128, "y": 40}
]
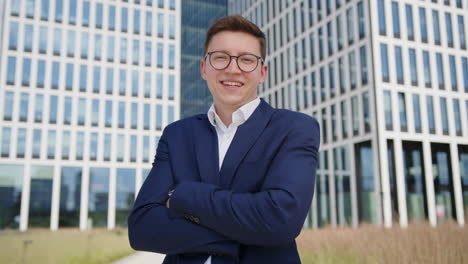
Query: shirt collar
[{"x": 238, "y": 117}]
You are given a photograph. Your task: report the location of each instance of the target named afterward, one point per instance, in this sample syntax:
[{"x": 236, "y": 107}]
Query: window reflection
[
  {"x": 11, "y": 177},
  {"x": 98, "y": 197},
  {"x": 40, "y": 201}
]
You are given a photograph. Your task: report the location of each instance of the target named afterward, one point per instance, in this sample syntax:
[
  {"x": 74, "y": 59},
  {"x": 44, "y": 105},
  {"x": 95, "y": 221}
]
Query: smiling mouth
[{"x": 231, "y": 84}]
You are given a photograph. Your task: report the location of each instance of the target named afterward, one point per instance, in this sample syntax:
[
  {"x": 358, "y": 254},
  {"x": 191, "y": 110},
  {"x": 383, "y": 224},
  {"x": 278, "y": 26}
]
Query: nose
[{"x": 233, "y": 67}]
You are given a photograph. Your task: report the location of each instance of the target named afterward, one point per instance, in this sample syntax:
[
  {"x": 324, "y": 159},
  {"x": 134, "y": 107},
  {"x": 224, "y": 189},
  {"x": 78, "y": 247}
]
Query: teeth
[{"x": 232, "y": 83}]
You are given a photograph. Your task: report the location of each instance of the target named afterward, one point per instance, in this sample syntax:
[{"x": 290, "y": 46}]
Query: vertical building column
[
  {"x": 400, "y": 181},
  {"x": 314, "y": 208},
  {"x": 378, "y": 188},
  {"x": 429, "y": 178},
  {"x": 385, "y": 183},
  {"x": 54, "y": 218},
  {"x": 331, "y": 189},
  {"x": 457, "y": 188},
  {"x": 138, "y": 180},
  {"x": 25, "y": 198},
  {"x": 354, "y": 205},
  {"x": 112, "y": 197},
  {"x": 84, "y": 198}
]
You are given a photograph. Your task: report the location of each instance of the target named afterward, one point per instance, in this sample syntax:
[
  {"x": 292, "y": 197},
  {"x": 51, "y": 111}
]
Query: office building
[
  {"x": 197, "y": 17},
  {"x": 388, "y": 82},
  {"x": 86, "y": 88}
]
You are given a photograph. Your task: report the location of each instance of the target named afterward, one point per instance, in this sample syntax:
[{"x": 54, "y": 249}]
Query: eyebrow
[{"x": 241, "y": 53}]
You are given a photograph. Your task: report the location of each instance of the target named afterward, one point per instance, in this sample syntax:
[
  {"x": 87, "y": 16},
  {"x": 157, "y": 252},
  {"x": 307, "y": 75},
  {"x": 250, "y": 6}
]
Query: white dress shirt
[{"x": 226, "y": 134}]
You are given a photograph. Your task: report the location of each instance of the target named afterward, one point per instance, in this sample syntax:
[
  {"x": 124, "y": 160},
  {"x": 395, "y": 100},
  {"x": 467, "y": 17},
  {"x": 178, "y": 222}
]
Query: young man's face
[{"x": 231, "y": 88}]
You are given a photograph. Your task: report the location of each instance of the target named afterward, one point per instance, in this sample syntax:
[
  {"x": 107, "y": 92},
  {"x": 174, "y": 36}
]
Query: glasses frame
[{"x": 208, "y": 54}]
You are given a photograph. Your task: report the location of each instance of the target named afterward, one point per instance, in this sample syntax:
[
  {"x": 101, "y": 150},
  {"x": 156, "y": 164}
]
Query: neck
[{"x": 225, "y": 114}]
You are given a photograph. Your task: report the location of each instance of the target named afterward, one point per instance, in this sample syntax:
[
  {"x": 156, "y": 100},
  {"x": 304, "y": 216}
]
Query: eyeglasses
[{"x": 246, "y": 62}]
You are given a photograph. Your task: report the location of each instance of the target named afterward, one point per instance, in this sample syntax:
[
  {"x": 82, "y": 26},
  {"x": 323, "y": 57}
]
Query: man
[{"x": 233, "y": 185}]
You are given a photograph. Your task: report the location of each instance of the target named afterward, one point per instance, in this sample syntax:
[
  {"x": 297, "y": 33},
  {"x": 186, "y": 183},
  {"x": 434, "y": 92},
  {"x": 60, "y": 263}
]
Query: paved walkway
[{"x": 142, "y": 258}]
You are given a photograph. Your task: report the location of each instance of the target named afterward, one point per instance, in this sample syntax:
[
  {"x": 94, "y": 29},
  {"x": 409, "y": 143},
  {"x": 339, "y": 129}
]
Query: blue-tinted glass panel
[
  {"x": 409, "y": 21},
  {"x": 110, "y": 48},
  {"x": 84, "y": 45},
  {"x": 363, "y": 55},
  {"x": 26, "y": 74},
  {"x": 44, "y": 10},
  {"x": 148, "y": 53},
  {"x": 70, "y": 196},
  {"x": 361, "y": 20},
  {"x": 444, "y": 115},
  {"x": 123, "y": 50},
  {"x": 79, "y": 145},
  {"x": 172, "y": 56},
  {"x": 423, "y": 24},
  {"x": 69, "y": 77},
  {"x": 43, "y": 39},
  {"x": 11, "y": 177},
  {"x": 30, "y": 8},
  {"x": 461, "y": 32},
  {"x": 13, "y": 37},
  {"x": 11, "y": 70},
  {"x": 6, "y": 140},
  {"x": 134, "y": 116},
  {"x": 430, "y": 113},
  {"x": 384, "y": 61},
  {"x": 146, "y": 146},
  {"x": 24, "y": 106},
  {"x": 172, "y": 27},
  {"x": 96, "y": 79},
  {"x": 133, "y": 148},
  {"x": 57, "y": 41},
  {"x": 14, "y": 10},
  {"x": 98, "y": 201},
  {"x": 171, "y": 87},
  {"x": 81, "y": 111},
  {"x": 170, "y": 114},
  {"x": 85, "y": 14},
  {"x": 136, "y": 52},
  {"x": 28, "y": 37},
  {"x": 396, "y": 20},
  {"x": 448, "y": 26},
  {"x": 111, "y": 18},
  {"x": 38, "y": 108},
  {"x": 83, "y": 77},
  {"x": 72, "y": 12},
  {"x": 53, "y": 109},
  {"x": 40, "y": 196},
  {"x": 427, "y": 69},
  {"x": 108, "y": 116},
  {"x": 158, "y": 117},
  {"x": 146, "y": 117},
  {"x": 160, "y": 58},
  {"x": 71, "y": 39},
  {"x": 435, "y": 21},
  {"x": 453, "y": 73},
  {"x": 381, "y": 10},
  {"x": 440, "y": 71},
  {"x": 121, "y": 114},
  {"x": 95, "y": 112},
  {"x": 58, "y": 11},
  {"x": 99, "y": 15},
  {"x": 125, "y": 195},
  {"x": 21, "y": 143},
  {"x": 8, "y": 106},
  {"x": 107, "y": 146},
  {"x": 120, "y": 147},
  {"x": 41, "y": 72},
  {"x": 148, "y": 23},
  {"x": 67, "y": 113},
  {"x": 109, "y": 80},
  {"x": 97, "y": 46},
  {"x": 465, "y": 73},
  {"x": 457, "y": 117},
  {"x": 160, "y": 25},
  {"x": 55, "y": 78},
  {"x": 399, "y": 64},
  {"x": 124, "y": 20},
  {"x": 417, "y": 113},
  {"x": 122, "y": 81},
  {"x": 136, "y": 21},
  {"x": 36, "y": 147},
  {"x": 93, "y": 146},
  {"x": 51, "y": 138},
  {"x": 388, "y": 110},
  {"x": 413, "y": 69},
  {"x": 135, "y": 83}
]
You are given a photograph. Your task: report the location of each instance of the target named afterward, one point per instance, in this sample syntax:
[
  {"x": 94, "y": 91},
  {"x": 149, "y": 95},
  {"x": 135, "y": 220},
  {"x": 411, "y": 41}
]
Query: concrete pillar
[
  {"x": 385, "y": 183},
  {"x": 429, "y": 178},
  {"x": 25, "y": 195},
  {"x": 457, "y": 188},
  {"x": 54, "y": 214},
  {"x": 112, "y": 197},
  {"x": 400, "y": 181},
  {"x": 85, "y": 174},
  {"x": 354, "y": 203}
]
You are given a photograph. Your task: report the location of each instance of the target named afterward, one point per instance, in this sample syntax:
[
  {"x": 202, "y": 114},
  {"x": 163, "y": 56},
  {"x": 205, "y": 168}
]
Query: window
[
  {"x": 93, "y": 147},
  {"x": 58, "y": 11},
  {"x": 159, "y": 85},
  {"x": 448, "y": 26},
  {"x": 352, "y": 69},
  {"x": 148, "y": 23},
  {"x": 382, "y": 26},
  {"x": 423, "y": 24},
  {"x": 95, "y": 112},
  {"x": 160, "y": 25},
  {"x": 43, "y": 40},
  {"x": 160, "y": 58},
  {"x": 171, "y": 56},
  {"x": 13, "y": 37},
  {"x": 339, "y": 31},
  {"x": 53, "y": 109},
  {"x": 461, "y": 32},
  {"x": 122, "y": 82},
  {"x": 36, "y": 147},
  {"x": 15, "y": 7},
  {"x": 21, "y": 143},
  {"x": 71, "y": 39},
  {"x": 38, "y": 108},
  {"x": 171, "y": 86},
  {"x": 11, "y": 71},
  {"x": 41, "y": 72},
  {"x": 396, "y": 20},
  {"x": 111, "y": 18},
  {"x": 44, "y": 10},
  {"x": 399, "y": 65},
  {"x": 324, "y": 125},
  {"x": 409, "y": 22},
  {"x": 361, "y": 20},
  {"x": 120, "y": 147},
  {"x": 108, "y": 115},
  {"x": 123, "y": 50},
  {"x": 99, "y": 15},
  {"x": 453, "y": 73},
  {"x": 6, "y": 139},
  {"x": 8, "y": 106},
  {"x": 107, "y": 146},
  {"x": 121, "y": 114},
  {"x": 81, "y": 111},
  {"x": 465, "y": 73},
  {"x": 97, "y": 46},
  {"x": 136, "y": 21},
  {"x": 69, "y": 77},
  {"x": 363, "y": 55},
  {"x": 350, "y": 24},
  {"x": 83, "y": 78},
  {"x": 427, "y": 70},
  {"x": 331, "y": 82},
  {"x": 417, "y": 113},
  {"x": 444, "y": 115},
  {"x": 51, "y": 144},
  {"x": 85, "y": 14},
  {"x": 388, "y": 110},
  {"x": 124, "y": 20},
  {"x": 30, "y": 8},
  {"x": 67, "y": 114},
  {"x": 161, "y": 3},
  {"x": 80, "y": 146},
  {"x": 158, "y": 117},
  {"x": 146, "y": 146},
  {"x": 341, "y": 75},
  {"x": 72, "y": 12},
  {"x": 28, "y": 38},
  {"x": 413, "y": 67},
  {"x": 384, "y": 62},
  {"x": 440, "y": 71},
  {"x": 430, "y": 114},
  {"x": 329, "y": 38},
  {"x": 457, "y": 115},
  {"x": 57, "y": 41},
  {"x": 402, "y": 111},
  {"x": 55, "y": 78},
  {"x": 366, "y": 112},
  {"x": 355, "y": 115},
  {"x": 147, "y": 55},
  {"x": 136, "y": 52},
  {"x": 84, "y": 45},
  {"x": 312, "y": 50},
  {"x": 146, "y": 116},
  {"x": 96, "y": 79},
  {"x": 109, "y": 80},
  {"x": 26, "y": 74},
  {"x": 172, "y": 30},
  {"x": 172, "y": 4},
  {"x": 133, "y": 157},
  {"x": 134, "y": 116},
  {"x": 344, "y": 119},
  {"x": 110, "y": 49},
  {"x": 435, "y": 20},
  {"x": 135, "y": 83}
]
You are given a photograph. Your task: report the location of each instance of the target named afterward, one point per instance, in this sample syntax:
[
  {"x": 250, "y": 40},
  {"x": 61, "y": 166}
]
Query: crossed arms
[{"x": 273, "y": 216}]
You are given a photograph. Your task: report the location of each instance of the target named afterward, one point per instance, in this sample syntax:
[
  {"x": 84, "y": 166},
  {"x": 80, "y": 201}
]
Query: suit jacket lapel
[
  {"x": 246, "y": 136},
  {"x": 206, "y": 150}
]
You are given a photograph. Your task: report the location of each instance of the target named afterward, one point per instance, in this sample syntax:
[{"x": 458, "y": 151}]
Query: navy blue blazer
[{"x": 248, "y": 212}]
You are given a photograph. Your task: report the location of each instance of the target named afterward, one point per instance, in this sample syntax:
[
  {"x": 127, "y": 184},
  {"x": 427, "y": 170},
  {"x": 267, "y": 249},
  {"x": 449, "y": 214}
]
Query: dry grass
[
  {"x": 64, "y": 246},
  {"x": 419, "y": 243}
]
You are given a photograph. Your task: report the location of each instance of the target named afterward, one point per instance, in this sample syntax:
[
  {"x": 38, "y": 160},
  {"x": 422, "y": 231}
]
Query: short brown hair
[{"x": 236, "y": 23}]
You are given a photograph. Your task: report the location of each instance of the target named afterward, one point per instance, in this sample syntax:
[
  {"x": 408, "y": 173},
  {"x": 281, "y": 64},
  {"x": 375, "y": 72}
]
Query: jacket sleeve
[
  {"x": 152, "y": 228},
  {"x": 272, "y": 216}
]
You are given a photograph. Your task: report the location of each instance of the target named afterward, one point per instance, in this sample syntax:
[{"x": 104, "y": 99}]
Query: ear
[
  {"x": 263, "y": 73},
  {"x": 203, "y": 69}
]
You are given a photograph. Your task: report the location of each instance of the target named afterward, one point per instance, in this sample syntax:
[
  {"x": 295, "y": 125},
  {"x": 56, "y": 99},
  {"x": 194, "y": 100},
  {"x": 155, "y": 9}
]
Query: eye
[
  {"x": 219, "y": 57},
  {"x": 247, "y": 59}
]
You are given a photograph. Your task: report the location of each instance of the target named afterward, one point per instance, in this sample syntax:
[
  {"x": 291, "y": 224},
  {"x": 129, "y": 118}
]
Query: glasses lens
[
  {"x": 219, "y": 60},
  {"x": 247, "y": 62}
]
